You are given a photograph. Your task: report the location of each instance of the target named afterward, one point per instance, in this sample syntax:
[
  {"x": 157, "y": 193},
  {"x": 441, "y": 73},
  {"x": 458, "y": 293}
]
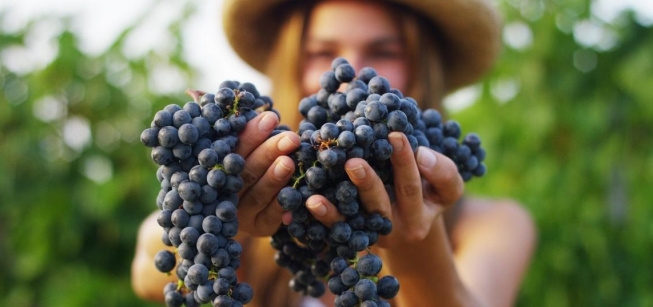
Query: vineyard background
[{"x": 566, "y": 117}]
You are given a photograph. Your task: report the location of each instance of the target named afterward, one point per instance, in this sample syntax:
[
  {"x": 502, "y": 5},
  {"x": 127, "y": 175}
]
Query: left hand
[{"x": 425, "y": 184}]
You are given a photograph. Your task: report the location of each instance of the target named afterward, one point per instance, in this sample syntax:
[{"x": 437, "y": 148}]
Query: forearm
[{"x": 427, "y": 273}]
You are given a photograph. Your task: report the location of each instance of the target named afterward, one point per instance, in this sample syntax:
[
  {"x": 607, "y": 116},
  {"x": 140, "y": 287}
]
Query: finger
[
  {"x": 259, "y": 203},
  {"x": 286, "y": 218},
  {"x": 445, "y": 184},
  {"x": 323, "y": 210},
  {"x": 407, "y": 180},
  {"x": 256, "y": 132},
  {"x": 371, "y": 190},
  {"x": 260, "y": 159}
]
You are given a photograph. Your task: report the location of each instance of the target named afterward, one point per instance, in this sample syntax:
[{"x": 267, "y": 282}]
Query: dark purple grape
[
  {"x": 344, "y": 73},
  {"x": 354, "y": 96},
  {"x": 233, "y": 164},
  {"x": 391, "y": 101},
  {"x": 189, "y": 190},
  {"x": 316, "y": 177},
  {"x": 375, "y": 111},
  {"x": 243, "y": 293},
  {"x": 387, "y": 287},
  {"x": 317, "y": 115},
  {"x": 378, "y": 85},
  {"x": 182, "y": 151},
  {"x": 337, "y": 62},
  {"x": 174, "y": 299},
  {"x": 369, "y": 265},
  {"x": 189, "y": 235},
  {"x": 226, "y": 211},
  {"x": 365, "y": 289},
  {"x": 216, "y": 178},
  {"x": 225, "y": 96},
  {"x": 364, "y": 135},
  {"x": 336, "y": 286},
  {"x": 211, "y": 112},
  {"x": 237, "y": 122},
  {"x": 338, "y": 104},
  {"x": 233, "y": 184},
  {"x": 172, "y": 108},
  {"x": 249, "y": 87},
  {"x": 193, "y": 207},
  {"x": 328, "y": 157},
  {"x": 350, "y": 276},
  {"x": 366, "y": 74},
  {"x": 340, "y": 232},
  {"x": 180, "y": 118},
  {"x": 208, "y": 158},
  {"x": 329, "y": 82},
  {"x": 164, "y": 261},
  {"x": 150, "y": 137},
  {"x": 381, "y": 150},
  {"x": 358, "y": 241},
  {"x": 168, "y": 136},
  {"x": 179, "y": 218},
  {"x": 212, "y": 224},
  {"x": 289, "y": 198},
  {"x": 346, "y": 140},
  {"x": 162, "y": 119}
]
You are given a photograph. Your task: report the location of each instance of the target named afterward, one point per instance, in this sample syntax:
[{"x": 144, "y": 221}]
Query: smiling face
[{"x": 363, "y": 32}]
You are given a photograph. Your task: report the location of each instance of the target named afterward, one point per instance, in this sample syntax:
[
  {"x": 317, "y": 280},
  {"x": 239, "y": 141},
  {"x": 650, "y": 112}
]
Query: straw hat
[{"x": 469, "y": 30}]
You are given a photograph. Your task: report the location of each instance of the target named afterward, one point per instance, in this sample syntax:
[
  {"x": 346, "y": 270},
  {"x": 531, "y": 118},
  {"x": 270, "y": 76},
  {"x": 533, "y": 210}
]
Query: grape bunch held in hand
[
  {"x": 200, "y": 177},
  {"x": 338, "y": 126},
  {"x": 199, "y": 172}
]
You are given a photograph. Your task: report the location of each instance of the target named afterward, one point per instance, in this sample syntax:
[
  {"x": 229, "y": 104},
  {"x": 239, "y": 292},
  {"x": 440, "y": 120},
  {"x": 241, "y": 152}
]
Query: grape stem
[{"x": 301, "y": 176}]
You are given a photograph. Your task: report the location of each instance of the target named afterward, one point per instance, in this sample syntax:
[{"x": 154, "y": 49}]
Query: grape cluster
[
  {"x": 337, "y": 126},
  {"x": 200, "y": 177}
]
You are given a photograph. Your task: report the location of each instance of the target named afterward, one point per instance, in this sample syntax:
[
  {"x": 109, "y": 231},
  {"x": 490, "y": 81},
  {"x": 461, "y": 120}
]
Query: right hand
[{"x": 267, "y": 171}]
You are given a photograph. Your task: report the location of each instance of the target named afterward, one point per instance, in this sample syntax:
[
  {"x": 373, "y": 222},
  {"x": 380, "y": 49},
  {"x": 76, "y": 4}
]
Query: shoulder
[
  {"x": 485, "y": 217},
  {"x": 149, "y": 235},
  {"x": 493, "y": 242},
  {"x": 500, "y": 228},
  {"x": 146, "y": 280}
]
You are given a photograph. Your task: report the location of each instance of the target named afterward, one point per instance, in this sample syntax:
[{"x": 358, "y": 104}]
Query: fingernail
[
  {"x": 281, "y": 171},
  {"x": 396, "y": 141},
  {"x": 357, "y": 172},
  {"x": 286, "y": 218},
  {"x": 425, "y": 157},
  {"x": 286, "y": 144},
  {"x": 267, "y": 122},
  {"x": 318, "y": 208}
]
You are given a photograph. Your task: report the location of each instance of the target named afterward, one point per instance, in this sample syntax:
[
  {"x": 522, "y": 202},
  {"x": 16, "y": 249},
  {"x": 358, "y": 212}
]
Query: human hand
[
  {"x": 425, "y": 184},
  {"x": 267, "y": 170}
]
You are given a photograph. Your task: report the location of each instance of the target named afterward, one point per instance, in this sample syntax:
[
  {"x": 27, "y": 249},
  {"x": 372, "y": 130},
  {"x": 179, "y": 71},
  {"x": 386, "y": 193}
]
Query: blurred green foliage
[{"x": 568, "y": 128}]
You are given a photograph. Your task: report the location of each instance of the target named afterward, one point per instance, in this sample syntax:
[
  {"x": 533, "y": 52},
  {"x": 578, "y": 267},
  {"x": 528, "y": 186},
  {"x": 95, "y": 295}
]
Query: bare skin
[{"x": 480, "y": 262}]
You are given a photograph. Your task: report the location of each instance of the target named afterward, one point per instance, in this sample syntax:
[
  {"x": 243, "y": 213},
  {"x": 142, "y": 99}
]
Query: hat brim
[{"x": 469, "y": 31}]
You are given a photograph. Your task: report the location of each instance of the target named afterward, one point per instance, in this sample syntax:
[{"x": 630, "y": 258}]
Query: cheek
[
  {"x": 311, "y": 78},
  {"x": 396, "y": 75}
]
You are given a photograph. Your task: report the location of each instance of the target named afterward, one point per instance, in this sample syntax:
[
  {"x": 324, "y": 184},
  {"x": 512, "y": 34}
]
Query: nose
[{"x": 355, "y": 59}]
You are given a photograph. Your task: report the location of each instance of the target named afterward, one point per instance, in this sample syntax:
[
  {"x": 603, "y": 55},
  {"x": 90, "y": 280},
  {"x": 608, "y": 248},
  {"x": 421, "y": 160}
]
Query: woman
[{"x": 444, "y": 249}]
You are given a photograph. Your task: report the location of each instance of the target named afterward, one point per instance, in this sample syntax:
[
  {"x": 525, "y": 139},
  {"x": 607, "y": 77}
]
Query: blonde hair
[
  {"x": 427, "y": 84},
  {"x": 284, "y": 67}
]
